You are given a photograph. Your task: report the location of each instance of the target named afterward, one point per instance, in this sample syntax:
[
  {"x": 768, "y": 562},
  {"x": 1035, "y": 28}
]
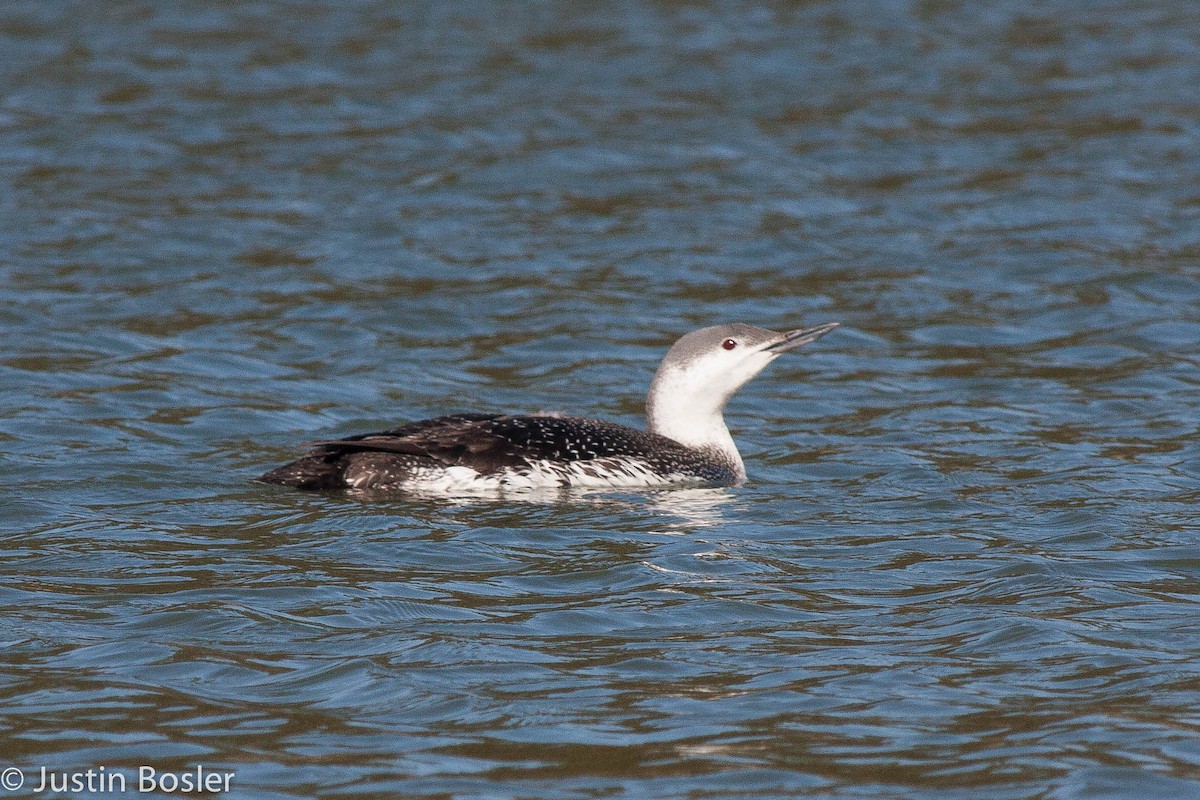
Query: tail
[{"x": 309, "y": 473}]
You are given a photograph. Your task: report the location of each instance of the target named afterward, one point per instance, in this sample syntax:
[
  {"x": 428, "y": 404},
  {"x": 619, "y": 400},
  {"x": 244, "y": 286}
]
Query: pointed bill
[{"x": 793, "y": 339}]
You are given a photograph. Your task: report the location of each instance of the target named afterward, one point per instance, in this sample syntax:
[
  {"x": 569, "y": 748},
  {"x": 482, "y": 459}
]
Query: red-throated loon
[{"x": 687, "y": 442}]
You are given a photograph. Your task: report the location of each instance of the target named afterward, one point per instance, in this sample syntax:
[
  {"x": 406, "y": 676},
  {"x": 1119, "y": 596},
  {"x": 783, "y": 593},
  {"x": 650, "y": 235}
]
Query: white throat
[
  {"x": 682, "y": 405},
  {"x": 699, "y": 374}
]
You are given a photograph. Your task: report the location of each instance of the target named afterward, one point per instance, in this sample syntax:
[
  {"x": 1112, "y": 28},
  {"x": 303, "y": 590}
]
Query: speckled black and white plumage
[
  {"x": 484, "y": 451},
  {"x": 687, "y": 442}
]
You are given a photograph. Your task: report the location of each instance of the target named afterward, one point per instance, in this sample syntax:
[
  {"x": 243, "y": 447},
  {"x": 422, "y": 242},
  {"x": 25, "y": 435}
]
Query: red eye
[{"x": 729, "y": 344}]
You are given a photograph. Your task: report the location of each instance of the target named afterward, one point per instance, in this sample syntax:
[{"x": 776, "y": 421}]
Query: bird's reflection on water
[{"x": 692, "y": 507}]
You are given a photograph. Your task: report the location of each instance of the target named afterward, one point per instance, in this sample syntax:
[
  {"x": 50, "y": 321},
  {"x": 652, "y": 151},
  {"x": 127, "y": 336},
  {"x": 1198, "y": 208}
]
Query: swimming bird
[{"x": 686, "y": 441}]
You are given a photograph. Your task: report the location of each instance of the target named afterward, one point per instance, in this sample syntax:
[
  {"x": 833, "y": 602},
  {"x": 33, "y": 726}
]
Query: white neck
[{"x": 675, "y": 410}]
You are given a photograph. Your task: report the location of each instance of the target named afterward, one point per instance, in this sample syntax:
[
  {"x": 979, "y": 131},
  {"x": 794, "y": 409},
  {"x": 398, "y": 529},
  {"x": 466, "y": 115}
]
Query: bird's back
[{"x": 503, "y": 451}]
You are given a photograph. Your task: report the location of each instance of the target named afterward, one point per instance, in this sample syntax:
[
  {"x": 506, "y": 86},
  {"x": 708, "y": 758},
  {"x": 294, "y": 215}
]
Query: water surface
[{"x": 967, "y": 562}]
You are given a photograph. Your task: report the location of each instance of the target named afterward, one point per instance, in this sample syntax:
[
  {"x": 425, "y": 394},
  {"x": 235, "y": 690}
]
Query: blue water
[{"x": 966, "y": 564}]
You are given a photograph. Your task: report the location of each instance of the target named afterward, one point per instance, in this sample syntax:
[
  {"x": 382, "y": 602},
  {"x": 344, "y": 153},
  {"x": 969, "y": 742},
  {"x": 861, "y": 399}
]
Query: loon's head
[{"x": 704, "y": 369}]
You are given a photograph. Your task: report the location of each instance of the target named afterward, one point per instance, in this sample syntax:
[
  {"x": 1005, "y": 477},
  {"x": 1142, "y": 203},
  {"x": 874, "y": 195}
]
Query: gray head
[
  {"x": 705, "y": 368},
  {"x": 739, "y": 336}
]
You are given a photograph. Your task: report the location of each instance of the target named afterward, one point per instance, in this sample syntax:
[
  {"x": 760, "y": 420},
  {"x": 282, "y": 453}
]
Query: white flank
[{"x": 598, "y": 473}]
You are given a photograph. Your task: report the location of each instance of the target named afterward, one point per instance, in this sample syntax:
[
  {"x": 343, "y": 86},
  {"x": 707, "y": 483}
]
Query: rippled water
[{"x": 967, "y": 563}]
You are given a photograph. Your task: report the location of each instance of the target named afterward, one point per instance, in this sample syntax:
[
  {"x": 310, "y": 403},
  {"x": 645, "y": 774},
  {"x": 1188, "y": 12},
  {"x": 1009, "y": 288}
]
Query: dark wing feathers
[
  {"x": 491, "y": 442},
  {"x": 425, "y": 426},
  {"x": 428, "y": 437}
]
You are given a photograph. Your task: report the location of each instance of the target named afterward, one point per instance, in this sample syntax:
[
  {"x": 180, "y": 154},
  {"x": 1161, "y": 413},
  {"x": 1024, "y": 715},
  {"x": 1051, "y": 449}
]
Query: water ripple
[{"x": 965, "y": 565}]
